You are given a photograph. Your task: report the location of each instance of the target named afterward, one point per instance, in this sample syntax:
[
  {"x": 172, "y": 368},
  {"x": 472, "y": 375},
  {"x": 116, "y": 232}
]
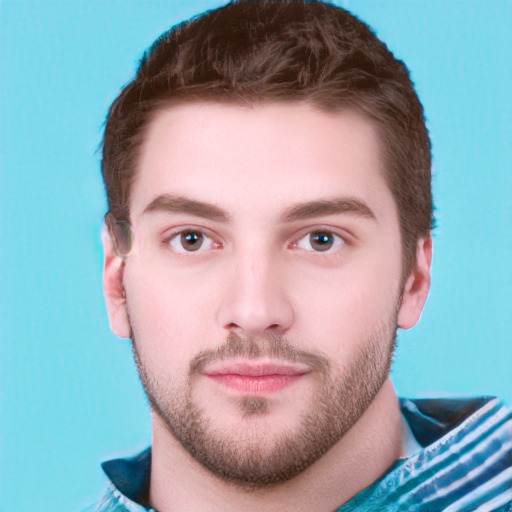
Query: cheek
[
  {"x": 348, "y": 309},
  {"x": 170, "y": 315}
]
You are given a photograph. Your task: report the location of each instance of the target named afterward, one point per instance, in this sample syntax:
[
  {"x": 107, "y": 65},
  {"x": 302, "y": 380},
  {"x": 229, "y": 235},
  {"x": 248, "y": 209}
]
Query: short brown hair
[{"x": 287, "y": 51}]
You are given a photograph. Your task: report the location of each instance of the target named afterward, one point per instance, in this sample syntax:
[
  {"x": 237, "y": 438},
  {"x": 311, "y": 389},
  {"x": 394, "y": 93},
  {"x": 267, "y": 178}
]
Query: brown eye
[
  {"x": 321, "y": 240},
  {"x": 191, "y": 240}
]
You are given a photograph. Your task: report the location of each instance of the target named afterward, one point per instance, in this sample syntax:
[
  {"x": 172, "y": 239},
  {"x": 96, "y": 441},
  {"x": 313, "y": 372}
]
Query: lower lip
[{"x": 256, "y": 385}]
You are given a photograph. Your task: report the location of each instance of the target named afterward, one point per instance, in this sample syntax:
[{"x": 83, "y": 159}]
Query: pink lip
[{"x": 256, "y": 378}]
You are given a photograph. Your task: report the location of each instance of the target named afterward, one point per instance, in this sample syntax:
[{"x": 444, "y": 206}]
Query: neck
[{"x": 362, "y": 456}]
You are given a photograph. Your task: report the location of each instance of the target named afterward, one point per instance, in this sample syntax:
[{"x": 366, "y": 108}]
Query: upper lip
[{"x": 256, "y": 368}]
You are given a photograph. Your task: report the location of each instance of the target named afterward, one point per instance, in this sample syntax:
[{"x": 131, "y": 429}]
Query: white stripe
[
  {"x": 476, "y": 494},
  {"x": 497, "y": 502},
  {"x": 479, "y": 430},
  {"x": 473, "y": 473}
]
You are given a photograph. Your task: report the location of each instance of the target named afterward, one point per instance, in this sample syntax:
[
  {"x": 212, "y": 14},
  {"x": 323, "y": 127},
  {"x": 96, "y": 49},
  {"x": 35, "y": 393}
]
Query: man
[{"x": 270, "y": 212}]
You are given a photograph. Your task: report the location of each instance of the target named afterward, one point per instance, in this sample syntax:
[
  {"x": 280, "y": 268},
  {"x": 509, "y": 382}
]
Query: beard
[{"x": 252, "y": 456}]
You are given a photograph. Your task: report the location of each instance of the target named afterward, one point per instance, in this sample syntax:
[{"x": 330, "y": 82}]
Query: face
[{"x": 264, "y": 289}]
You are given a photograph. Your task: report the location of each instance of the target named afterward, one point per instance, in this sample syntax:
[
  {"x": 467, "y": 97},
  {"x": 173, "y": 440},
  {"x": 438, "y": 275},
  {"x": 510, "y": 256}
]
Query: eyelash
[
  {"x": 175, "y": 236},
  {"x": 338, "y": 240}
]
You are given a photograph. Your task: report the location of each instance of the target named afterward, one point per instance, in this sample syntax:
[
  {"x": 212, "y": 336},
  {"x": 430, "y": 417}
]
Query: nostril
[{"x": 274, "y": 329}]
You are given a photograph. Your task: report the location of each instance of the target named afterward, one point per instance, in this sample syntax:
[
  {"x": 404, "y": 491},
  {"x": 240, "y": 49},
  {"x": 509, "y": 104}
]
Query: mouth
[{"x": 256, "y": 377}]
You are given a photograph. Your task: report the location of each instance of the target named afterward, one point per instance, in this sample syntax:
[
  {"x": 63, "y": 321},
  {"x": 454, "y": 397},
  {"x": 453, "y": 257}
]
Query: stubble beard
[{"x": 254, "y": 458}]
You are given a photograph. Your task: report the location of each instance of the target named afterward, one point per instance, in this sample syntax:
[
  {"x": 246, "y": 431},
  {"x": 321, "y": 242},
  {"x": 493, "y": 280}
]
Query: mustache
[{"x": 269, "y": 345}]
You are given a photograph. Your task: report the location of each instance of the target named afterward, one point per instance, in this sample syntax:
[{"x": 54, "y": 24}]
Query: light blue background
[{"x": 69, "y": 391}]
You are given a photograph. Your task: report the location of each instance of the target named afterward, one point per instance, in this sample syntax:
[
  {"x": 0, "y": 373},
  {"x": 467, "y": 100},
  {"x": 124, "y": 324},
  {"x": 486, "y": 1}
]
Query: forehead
[{"x": 259, "y": 158}]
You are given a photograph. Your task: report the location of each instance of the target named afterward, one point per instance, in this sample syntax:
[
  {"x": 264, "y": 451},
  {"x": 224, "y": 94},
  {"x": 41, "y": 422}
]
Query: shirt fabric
[{"x": 459, "y": 460}]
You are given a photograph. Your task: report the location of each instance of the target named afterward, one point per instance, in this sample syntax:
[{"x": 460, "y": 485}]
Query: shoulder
[
  {"x": 465, "y": 462},
  {"x": 128, "y": 485},
  {"x": 114, "y": 501}
]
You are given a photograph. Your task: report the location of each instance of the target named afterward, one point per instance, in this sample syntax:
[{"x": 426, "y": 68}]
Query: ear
[
  {"x": 417, "y": 286},
  {"x": 114, "y": 288}
]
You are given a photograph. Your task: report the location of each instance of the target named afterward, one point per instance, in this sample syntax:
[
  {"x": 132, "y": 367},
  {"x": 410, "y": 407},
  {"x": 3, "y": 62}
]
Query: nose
[{"x": 254, "y": 299}]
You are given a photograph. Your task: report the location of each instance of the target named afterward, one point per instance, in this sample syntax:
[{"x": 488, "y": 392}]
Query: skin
[{"x": 258, "y": 274}]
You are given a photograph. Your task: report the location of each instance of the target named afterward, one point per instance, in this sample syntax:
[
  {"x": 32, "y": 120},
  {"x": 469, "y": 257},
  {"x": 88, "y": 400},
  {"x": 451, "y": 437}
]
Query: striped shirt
[{"x": 463, "y": 464}]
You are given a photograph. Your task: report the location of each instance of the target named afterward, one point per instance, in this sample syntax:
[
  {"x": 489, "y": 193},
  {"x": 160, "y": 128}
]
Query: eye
[
  {"x": 191, "y": 240},
  {"x": 320, "y": 240}
]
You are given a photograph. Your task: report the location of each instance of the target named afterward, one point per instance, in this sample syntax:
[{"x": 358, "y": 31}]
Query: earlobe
[
  {"x": 417, "y": 286},
  {"x": 114, "y": 288}
]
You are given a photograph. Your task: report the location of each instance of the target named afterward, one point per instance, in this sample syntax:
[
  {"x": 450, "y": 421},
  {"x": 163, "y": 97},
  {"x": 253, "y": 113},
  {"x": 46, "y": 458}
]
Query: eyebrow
[
  {"x": 307, "y": 210},
  {"x": 181, "y": 204},
  {"x": 333, "y": 206}
]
